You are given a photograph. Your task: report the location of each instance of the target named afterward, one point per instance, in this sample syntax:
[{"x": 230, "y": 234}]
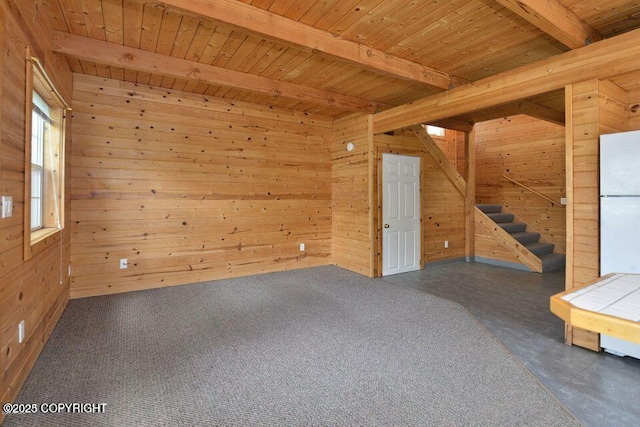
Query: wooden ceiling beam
[
  {"x": 455, "y": 123},
  {"x": 601, "y": 60},
  {"x": 524, "y": 106},
  {"x": 539, "y": 111},
  {"x": 140, "y": 60},
  {"x": 556, "y": 20},
  {"x": 265, "y": 23}
]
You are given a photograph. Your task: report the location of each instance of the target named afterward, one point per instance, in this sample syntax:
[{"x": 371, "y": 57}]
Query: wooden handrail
[{"x": 534, "y": 191}]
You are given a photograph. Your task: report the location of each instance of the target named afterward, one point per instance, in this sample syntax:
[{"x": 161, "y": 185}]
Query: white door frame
[{"x": 405, "y": 243}]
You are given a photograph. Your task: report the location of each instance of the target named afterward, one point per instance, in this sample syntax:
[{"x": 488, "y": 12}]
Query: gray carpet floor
[{"x": 314, "y": 347}]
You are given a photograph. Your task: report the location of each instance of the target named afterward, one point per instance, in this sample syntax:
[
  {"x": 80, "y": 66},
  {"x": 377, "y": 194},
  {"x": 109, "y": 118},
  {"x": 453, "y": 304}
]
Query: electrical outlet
[
  {"x": 7, "y": 206},
  {"x": 563, "y": 201},
  {"x": 124, "y": 263},
  {"x": 21, "y": 332},
  {"x": 302, "y": 247},
  {"x": 446, "y": 244}
]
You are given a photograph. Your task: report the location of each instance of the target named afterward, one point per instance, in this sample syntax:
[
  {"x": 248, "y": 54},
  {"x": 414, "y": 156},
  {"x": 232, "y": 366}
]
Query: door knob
[{"x": 386, "y": 226}]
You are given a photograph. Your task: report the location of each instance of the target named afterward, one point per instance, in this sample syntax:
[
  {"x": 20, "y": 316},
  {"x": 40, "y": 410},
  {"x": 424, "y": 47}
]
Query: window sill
[
  {"x": 43, "y": 233},
  {"x": 41, "y": 240}
]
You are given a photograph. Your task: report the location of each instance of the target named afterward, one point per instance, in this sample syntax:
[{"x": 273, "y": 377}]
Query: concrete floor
[{"x": 599, "y": 388}]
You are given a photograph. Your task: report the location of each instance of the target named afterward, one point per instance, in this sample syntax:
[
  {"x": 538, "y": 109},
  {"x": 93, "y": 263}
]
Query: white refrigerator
[{"x": 620, "y": 216}]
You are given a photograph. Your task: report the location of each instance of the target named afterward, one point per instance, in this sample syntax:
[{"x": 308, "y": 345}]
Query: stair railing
[{"x": 534, "y": 191}]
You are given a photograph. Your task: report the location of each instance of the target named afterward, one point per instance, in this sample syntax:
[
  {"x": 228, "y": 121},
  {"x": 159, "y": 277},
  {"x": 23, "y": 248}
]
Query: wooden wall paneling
[
  {"x": 445, "y": 164},
  {"x": 459, "y": 140},
  {"x": 191, "y": 188},
  {"x": 34, "y": 291},
  {"x": 594, "y": 107},
  {"x": 614, "y": 108},
  {"x": 374, "y": 221},
  {"x": 377, "y": 219},
  {"x": 446, "y": 145},
  {"x": 33, "y": 26},
  {"x": 443, "y": 207},
  {"x": 470, "y": 196},
  {"x": 531, "y": 151},
  {"x": 634, "y": 110},
  {"x": 351, "y": 221},
  {"x": 112, "y": 89}
]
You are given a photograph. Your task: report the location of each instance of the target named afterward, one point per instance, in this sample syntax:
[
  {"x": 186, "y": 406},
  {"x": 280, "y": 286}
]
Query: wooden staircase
[{"x": 526, "y": 246}]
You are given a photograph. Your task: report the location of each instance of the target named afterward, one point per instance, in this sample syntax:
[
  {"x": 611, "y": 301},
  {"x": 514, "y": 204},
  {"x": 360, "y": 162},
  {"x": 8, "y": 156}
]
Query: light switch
[{"x": 7, "y": 206}]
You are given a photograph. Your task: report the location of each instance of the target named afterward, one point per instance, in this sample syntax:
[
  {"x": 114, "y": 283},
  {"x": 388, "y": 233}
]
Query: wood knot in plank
[{"x": 195, "y": 73}]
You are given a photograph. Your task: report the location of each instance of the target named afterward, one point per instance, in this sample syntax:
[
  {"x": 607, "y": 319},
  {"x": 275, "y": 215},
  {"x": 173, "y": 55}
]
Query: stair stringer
[
  {"x": 485, "y": 226},
  {"x": 543, "y": 237}
]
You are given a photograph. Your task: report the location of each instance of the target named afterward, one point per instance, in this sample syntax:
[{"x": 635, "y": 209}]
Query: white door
[{"x": 400, "y": 214}]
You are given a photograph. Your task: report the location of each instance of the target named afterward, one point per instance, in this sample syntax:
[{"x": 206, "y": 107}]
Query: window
[
  {"x": 40, "y": 131},
  {"x": 44, "y": 158},
  {"x": 435, "y": 130}
]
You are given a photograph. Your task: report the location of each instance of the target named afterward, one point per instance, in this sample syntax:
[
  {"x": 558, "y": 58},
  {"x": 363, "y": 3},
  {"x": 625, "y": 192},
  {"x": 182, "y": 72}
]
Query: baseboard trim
[
  {"x": 444, "y": 261},
  {"x": 499, "y": 263}
]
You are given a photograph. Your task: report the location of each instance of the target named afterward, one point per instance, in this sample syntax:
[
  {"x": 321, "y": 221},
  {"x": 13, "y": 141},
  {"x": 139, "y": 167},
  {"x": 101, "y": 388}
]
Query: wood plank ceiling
[{"x": 328, "y": 57}]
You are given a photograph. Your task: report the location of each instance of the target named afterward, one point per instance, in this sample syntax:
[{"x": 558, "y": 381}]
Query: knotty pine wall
[
  {"x": 634, "y": 110},
  {"x": 189, "y": 188},
  {"x": 593, "y": 108},
  {"x": 449, "y": 146},
  {"x": 531, "y": 151},
  {"x": 352, "y": 190},
  {"x": 596, "y": 107},
  {"x": 356, "y": 197},
  {"x": 443, "y": 208},
  {"x": 36, "y": 290}
]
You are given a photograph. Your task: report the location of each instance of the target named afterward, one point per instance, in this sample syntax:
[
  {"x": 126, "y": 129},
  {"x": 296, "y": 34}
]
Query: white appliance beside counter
[{"x": 620, "y": 216}]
